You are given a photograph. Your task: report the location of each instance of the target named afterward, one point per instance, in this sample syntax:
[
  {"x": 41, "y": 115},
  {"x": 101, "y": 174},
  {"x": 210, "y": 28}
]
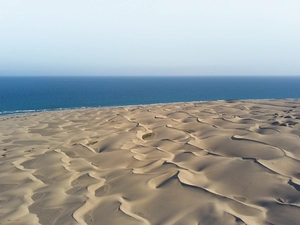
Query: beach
[{"x": 217, "y": 162}]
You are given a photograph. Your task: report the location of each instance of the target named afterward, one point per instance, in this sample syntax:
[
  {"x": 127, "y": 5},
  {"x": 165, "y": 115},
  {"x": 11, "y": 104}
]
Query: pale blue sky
[{"x": 143, "y": 37}]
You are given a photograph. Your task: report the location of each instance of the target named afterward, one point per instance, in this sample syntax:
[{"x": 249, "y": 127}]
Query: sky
[{"x": 143, "y": 37}]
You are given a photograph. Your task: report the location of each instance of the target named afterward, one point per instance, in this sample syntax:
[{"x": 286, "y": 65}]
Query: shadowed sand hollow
[{"x": 222, "y": 162}]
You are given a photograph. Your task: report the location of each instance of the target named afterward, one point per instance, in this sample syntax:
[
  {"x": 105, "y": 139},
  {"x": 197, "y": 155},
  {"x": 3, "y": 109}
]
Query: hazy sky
[{"x": 143, "y": 37}]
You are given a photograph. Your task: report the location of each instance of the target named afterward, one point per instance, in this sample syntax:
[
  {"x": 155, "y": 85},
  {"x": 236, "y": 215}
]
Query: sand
[{"x": 220, "y": 162}]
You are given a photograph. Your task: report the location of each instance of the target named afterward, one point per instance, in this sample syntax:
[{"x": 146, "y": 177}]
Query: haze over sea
[{"x": 31, "y": 94}]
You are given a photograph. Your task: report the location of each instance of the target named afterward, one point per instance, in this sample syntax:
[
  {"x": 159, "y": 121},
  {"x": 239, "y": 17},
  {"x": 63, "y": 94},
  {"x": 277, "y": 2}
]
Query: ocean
[{"x": 34, "y": 94}]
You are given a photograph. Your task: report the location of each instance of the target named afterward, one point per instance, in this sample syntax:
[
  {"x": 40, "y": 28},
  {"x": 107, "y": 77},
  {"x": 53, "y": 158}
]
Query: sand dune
[{"x": 221, "y": 162}]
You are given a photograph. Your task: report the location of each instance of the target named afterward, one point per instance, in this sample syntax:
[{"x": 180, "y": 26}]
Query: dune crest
[{"x": 222, "y": 162}]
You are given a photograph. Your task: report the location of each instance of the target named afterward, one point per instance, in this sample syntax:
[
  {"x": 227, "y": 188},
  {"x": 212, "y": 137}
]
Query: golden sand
[{"x": 223, "y": 162}]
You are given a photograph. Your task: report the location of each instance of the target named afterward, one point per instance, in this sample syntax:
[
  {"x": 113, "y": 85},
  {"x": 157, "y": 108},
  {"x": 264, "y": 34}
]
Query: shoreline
[
  {"x": 49, "y": 94},
  {"x": 29, "y": 111}
]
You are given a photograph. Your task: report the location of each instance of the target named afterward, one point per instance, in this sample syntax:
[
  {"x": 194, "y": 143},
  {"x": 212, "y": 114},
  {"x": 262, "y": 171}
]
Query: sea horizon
[{"x": 29, "y": 94}]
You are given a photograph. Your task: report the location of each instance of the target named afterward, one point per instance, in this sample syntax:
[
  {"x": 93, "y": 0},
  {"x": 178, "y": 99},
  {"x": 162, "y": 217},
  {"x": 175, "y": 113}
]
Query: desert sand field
[{"x": 206, "y": 163}]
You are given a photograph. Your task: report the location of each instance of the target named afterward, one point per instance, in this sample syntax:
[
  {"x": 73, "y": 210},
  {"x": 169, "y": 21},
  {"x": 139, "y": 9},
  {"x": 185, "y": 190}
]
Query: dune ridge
[{"x": 219, "y": 162}]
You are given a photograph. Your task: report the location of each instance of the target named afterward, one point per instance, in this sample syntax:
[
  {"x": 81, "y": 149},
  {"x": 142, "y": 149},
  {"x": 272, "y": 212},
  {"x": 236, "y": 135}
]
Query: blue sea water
[{"x": 30, "y": 94}]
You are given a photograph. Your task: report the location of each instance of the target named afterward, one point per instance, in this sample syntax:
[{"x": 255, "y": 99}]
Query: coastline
[
  {"x": 20, "y": 94},
  {"x": 28, "y": 111},
  {"x": 208, "y": 162}
]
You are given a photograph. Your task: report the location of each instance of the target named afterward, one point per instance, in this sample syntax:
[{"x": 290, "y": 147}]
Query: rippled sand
[{"x": 225, "y": 162}]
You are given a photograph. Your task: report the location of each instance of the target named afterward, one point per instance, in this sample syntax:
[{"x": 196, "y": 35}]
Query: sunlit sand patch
[{"x": 221, "y": 162}]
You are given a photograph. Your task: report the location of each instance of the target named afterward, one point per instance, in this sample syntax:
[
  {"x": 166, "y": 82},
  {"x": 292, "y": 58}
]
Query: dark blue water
[{"x": 25, "y": 94}]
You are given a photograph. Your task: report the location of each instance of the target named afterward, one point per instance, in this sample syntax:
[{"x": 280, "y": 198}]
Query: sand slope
[{"x": 226, "y": 162}]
